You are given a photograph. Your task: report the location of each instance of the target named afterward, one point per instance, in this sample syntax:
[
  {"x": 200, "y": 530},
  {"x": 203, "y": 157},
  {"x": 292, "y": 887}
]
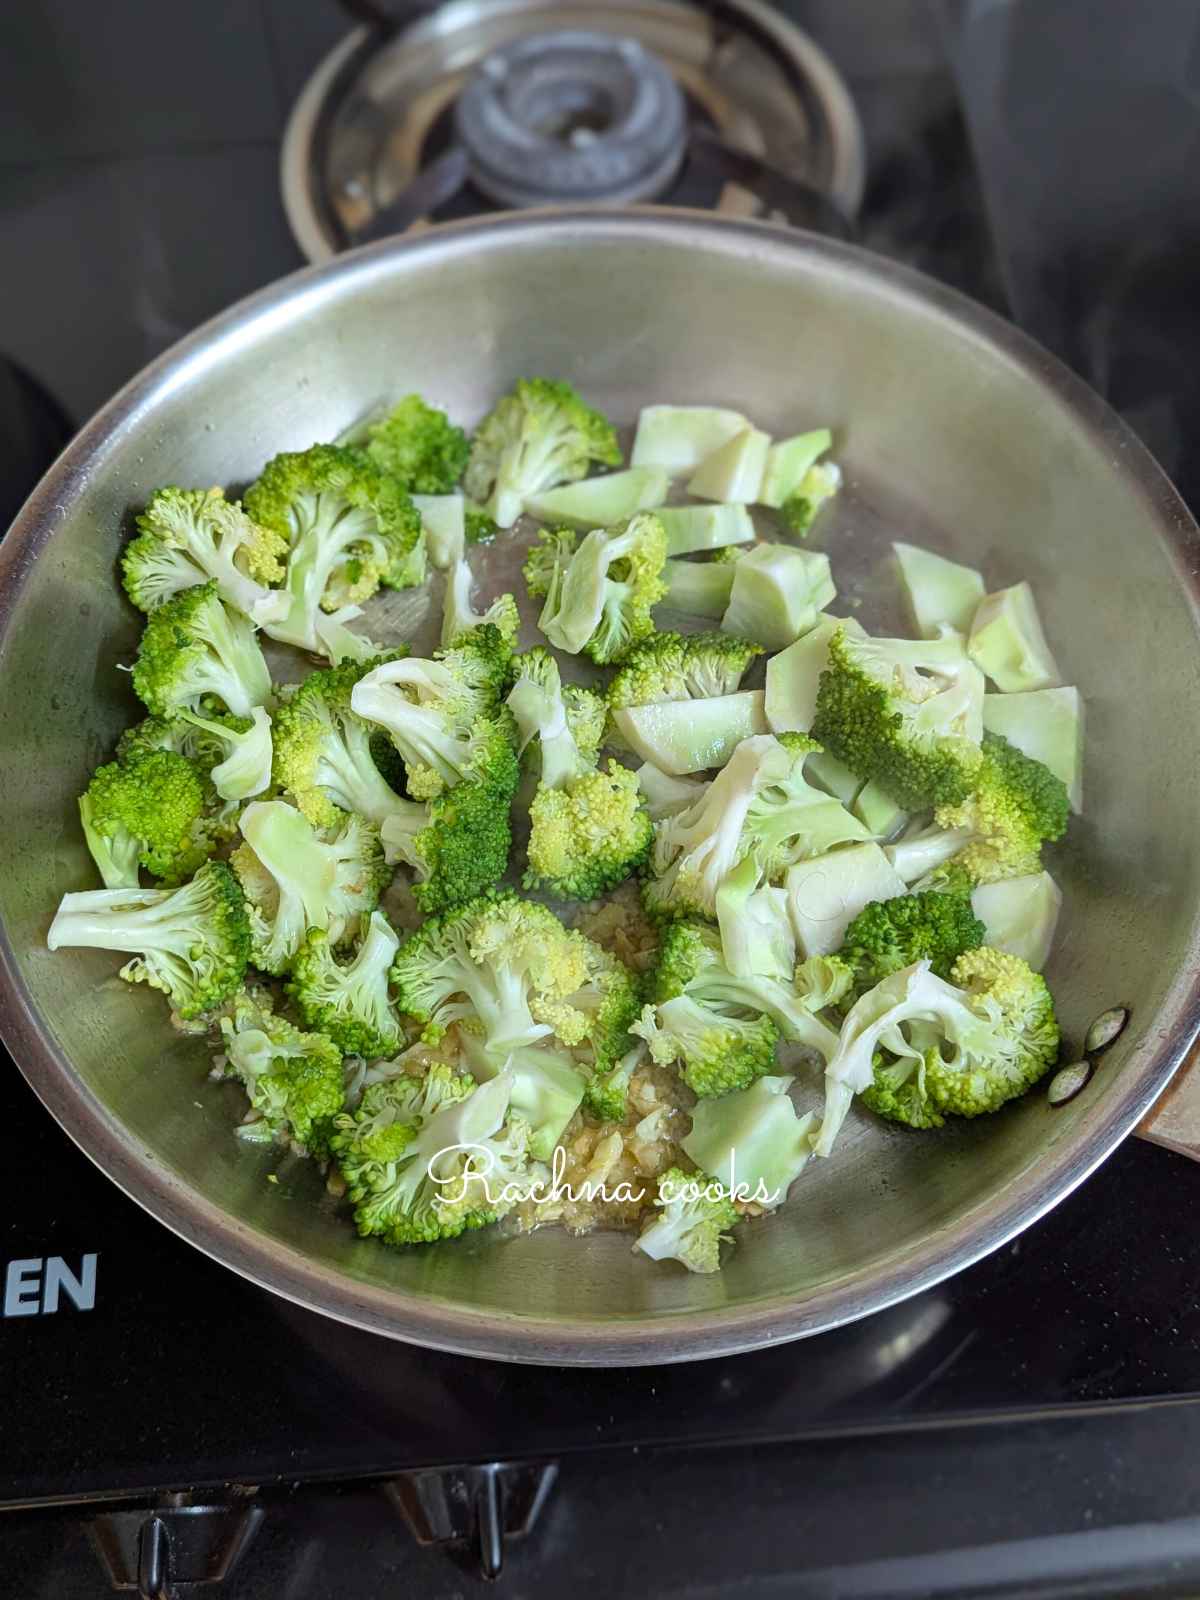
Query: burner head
[{"x": 572, "y": 116}]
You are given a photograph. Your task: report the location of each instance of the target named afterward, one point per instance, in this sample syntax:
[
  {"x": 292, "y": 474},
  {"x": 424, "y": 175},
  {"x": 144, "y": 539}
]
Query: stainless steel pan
[{"x": 954, "y": 430}]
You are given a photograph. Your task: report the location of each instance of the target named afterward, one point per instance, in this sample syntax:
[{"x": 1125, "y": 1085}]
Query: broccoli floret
[
  {"x": 323, "y": 755},
  {"x": 759, "y": 803},
  {"x": 193, "y": 943},
  {"x": 550, "y": 553},
  {"x": 547, "y": 1087},
  {"x": 445, "y": 716},
  {"x": 694, "y": 1215},
  {"x": 459, "y": 618},
  {"x": 193, "y": 647},
  {"x": 890, "y": 934},
  {"x": 588, "y": 828},
  {"x": 906, "y": 713},
  {"x": 349, "y": 529},
  {"x": 296, "y": 878},
  {"x": 187, "y": 537},
  {"x": 419, "y": 447},
  {"x": 673, "y": 666},
  {"x": 293, "y": 1079},
  {"x": 1017, "y": 804},
  {"x": 600, "y": 600},
  {"x": 819, "y": 484},
  {"x": 457, "y": 843},
  {"x": 233, "y": 754},
  {"x": 509, "y": 967},
  {"x": 607, "y": 1093},
  {"x": 540, "y": 435},
  {"x": 427, "y": 1158},
  {"x": 478, "y": 527},
  {"x": 349, "y": 1004},
  {"x": 970, "y": 1045},
  {"x": 698, "y": 998},
  {"x": 823, "y": 981},
  {"x": 151, "y": 811}
]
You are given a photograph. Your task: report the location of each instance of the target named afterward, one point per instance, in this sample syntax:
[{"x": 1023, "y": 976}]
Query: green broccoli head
[
  {"x": 588, "y": 836},
  {"x": 930, "y": 926},
  {"x": 694, "y": 1215},
  {"x": 349, "y": 528},
  {"x": 428, "y": 1158},
  {"x": 540, "y": 435},
  {"x": 296, "y": 878},
  {"x": 150, "y": 811},
  {"x": 719, "y": 1051},
  {"x": 457, "y": 843},
  {"x": 1016, "y": 805},
  {"x": 607, "y": 1093},
  {"x": 190, "y": 536},
  {"x": 293, "y": 1079},
  {"x": 349, "y": 1004},
  {"x": 600, "y": 599},
  {"x": 905, "y": 713},
  {"x": 193, "y": 942},
  {"x": 672, "y": 666},
  {"x": 419, "y": 447},
  {"x": 194, "y": 648}
]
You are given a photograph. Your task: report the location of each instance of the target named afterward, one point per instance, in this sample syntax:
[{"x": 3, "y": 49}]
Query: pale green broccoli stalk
[
  {"x": 992, "y": 1034},
  {"x": 459, "y": 617},
  {"x": 445, "y": 716},
  {"x": 588, "y": 828},
  {"x": 682, "y": 736},
  {"x": 752, "y": 1143},
  {"x": 349, "y": 529},
  {"x": 1046, "y": 724},
  {"x": 757, "y": 939},
  {"x": 193, "y": 943},
  {"x": 428, "y": 1158},
  {"x": 237, "y": 751},
  {"x": 905, "y": 713},
  {"x": 419, "y": 447},
  {"x": 547, "y": 1086},
  {"x": 508, "y": 967},
  {"x": 349, "y": 1004},
  {"x": 666, "y": 795},
  {"x": 701, "y": 588},
  {"x": 323, "y": 756},
  {"x": 188, "y": 536},
  {"x": 540, "y": 435},
  {"x": 194, "y": 648},
  {"x": 293, "y": 1080},
  {"x": 673, "y": 666},
  {"x": 691, "y": 967},
  {"x": 148, "y": 811},
  {"x": 694, "y": 1216},
  {"x": 1007, "y": 642},
  {"x": 457, "y": 844},
  {"x": 941, "y": 593},
  {"x": 296, "y": 878},
  {"x": 599, "y": 599},
  {"x": 760, "y": 803},
  {"x": 1020, "y": 916}
]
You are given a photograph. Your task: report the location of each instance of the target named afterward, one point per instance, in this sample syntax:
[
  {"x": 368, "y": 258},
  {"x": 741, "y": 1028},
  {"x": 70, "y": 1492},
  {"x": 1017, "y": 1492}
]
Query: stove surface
[{"x": 145, "y": 202}]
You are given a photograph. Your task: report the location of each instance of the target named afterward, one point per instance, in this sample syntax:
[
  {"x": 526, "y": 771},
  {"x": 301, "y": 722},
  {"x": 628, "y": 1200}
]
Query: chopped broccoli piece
[
  {"x": 819, "y": 484},
  {"x": 788, "y": 462},
  {"x": 993, "y": 1031},
  {"x": 459, "y": 618},
  {"x": 419, "y": 447},
  {"x": 826, "y": 893},
  {"x": 666, "y": 795},
  {"x": 734, "y": 470},
  {"x": 599, "y": 599},
  {"x": 794, "y": 676},
  {"x": 236, "y": 751},
  {"x": 602, "y": 502},
  {"x": 905, "y": 713},
  {"x": 349, "y": 1004},
  {"x": 722, "y": 1027},
  {"x": 190, "y": 536},
  {"x": 296, "y": 879},
  {"x": 443, "y": 516},
  {"x": 547, "y": 1087},
  {"x": 540, "y": 435},
  {"x": 1046, "y": 724},
  {"x": 427, "y": 1158},
  {"x": 193, "y": 943},
  {"x": 1019, "y": 916},
  {"x": 445, "y": 716},
  {"x": 696, "y": 528},
  {"x": 823, "y": 981},
  {"x": 1008, "y": 644},
  {"x": 193, "y": 648},
  {"x": 682, "y": 736},
  {"x": 756, "y": 932},
  {"x": 694, "y": 1216},
  {"x": 457, "y": 843},
  {"x": 778, "y": 594},
  {"x": 888, "y": 935},
  {"x": 607, "y": 1092},
  {"x": 349, "y": 529},
  {"x": 941, "y": 593},
  {"x": 679, "y": 438},
  {"x": 1016, "y": 805},
  {"x": 293, "y": 1079},
  {"x": 149, "y": 811},
  {"x": 700, "y": 588},
  {"x": 588, "y": 827},
  {"x": 752, "y": 1142},
  {"x": 759, "y": 804},
  {"x": 674, "y": 666}
]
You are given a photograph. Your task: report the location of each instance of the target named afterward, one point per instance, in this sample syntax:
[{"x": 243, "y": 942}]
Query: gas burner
[{"x": 722, "y": 105}]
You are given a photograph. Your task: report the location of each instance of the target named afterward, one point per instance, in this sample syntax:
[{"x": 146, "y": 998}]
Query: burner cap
[{"x": 572, "y": 116}]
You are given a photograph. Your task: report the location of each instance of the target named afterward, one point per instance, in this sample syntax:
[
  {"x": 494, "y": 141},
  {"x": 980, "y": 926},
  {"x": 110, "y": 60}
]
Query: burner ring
[{"x": 572, "y": 116}]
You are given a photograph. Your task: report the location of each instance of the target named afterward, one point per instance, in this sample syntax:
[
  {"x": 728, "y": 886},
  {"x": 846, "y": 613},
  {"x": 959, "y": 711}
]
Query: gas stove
[{"x": 1028, "y": 1425}]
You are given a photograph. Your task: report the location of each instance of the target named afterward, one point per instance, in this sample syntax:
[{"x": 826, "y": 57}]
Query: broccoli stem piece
[
  {"x": 734, "y": 471},
  {"x": 941, "y": 593},
  {"x": 824, "y": 895},
  {"x": 547, "y": 1087},
  {"x": 679, "y": 438},
  {"x": 752, "y": 1142},
  {"x": 602, "y": 502},
  {"x": 1008, "y": 644},
  {"x": 778, "y": 594},
  {"x": 698, "y": 588},
  {"x": 683, "y": 736},
  {"x": 697, "y": 528}
]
